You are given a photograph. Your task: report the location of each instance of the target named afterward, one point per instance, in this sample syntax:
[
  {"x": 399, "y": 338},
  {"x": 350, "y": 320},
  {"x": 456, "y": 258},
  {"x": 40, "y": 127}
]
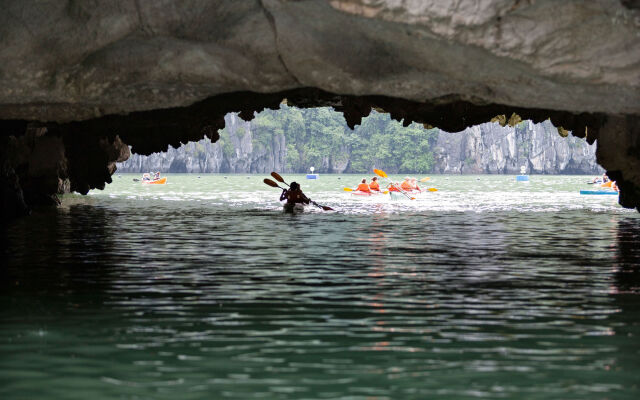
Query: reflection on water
[{"x": 185, "y": 299}]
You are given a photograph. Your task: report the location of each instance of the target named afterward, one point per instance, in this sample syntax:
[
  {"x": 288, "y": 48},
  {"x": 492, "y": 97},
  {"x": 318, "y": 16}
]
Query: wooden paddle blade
[
  {"x": 412, "y": 198},
  {"x": 385, "y": 192},
  {"x": 270, "y": 182},
  {"x": 433, "y": 189},
  {"x": 347, "y": 189},
  {"x": 426, "y": 178},
  {"x": 327, "y": 208},
  {"x": 277, "y": 177}
]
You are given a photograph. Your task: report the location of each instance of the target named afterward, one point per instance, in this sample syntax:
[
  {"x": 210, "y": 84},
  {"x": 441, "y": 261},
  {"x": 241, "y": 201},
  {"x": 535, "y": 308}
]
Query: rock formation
[
  {"x": 492, "y": 149},
  {"x": 158, "y": 73},
  {"x": 486, "y": 148}
]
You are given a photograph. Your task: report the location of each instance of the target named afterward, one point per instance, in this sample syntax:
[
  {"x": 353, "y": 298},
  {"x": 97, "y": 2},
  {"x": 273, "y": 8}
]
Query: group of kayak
[{"x": 407, "y": 185}]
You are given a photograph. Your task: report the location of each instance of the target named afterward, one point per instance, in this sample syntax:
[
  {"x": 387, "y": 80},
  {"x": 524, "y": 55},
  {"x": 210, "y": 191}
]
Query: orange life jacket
[
  {"x": 374, "y": 186},
  {"x": 363, "y": 187},
  {"x": 406, "y": 186},
  {"x": 393, "y": 189}
]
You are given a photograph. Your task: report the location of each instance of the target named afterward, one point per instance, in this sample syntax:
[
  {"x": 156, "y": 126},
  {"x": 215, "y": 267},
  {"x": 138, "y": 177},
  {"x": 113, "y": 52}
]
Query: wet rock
[
  {"x": 619, "y": 153},
  {"x": 66, "y": 61},
  {"x": 42, "y": 163}
]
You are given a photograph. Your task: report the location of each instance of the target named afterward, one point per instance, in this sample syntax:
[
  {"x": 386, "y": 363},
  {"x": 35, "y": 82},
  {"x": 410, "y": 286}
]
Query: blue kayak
[{"x": 598, "y": 192}]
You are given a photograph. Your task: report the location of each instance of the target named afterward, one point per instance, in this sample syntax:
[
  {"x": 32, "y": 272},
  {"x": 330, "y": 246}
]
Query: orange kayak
[{"x": 160, "y": 181}]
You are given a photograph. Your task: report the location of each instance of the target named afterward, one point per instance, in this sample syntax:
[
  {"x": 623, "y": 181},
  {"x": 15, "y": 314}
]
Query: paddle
[
  {"x": 426, "y": 178},
  {"x": 272, "y": 183},
  {"x": 136, "y": 180},
  {"x": 383, "y": 174},
  {"x": 279, "y": 179}
]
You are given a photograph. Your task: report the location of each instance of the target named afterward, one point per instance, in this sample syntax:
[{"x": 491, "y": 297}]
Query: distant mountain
[{"x": 292, "y": 140}]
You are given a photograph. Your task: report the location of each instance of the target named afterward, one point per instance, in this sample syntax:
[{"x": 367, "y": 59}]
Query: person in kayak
[
  {"x": 156, "y": 176},
  {"x": 294, "y": 195},
  {"x": 406, "y": 184},
  {"x": 414, "y": 184},
  {"x": 363, "y": 187},
  {"x": 374, "y": 185},
  {"x": 393, "y": 187}
]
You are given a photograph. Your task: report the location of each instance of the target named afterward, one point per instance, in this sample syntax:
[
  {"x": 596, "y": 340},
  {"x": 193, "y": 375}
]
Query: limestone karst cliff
[{"x": 487, "y": 148}]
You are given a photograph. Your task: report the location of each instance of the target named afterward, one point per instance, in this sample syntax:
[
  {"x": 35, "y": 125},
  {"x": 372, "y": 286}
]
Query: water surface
[{"x": 203, "y": 288}]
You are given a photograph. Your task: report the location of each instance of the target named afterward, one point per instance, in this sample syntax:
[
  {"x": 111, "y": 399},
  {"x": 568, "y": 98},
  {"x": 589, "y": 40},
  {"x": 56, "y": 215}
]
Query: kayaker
[
  {"x": 406, "y": 184},
  {"x": 363, "y": 187},
  {"x": 414, "y": 184},
  {"x": 146, "y": 177},
  {"x": 614, "y": 186},
  {"x": 374, "y": 185},
  {"x": 156, "y": 176},
  {"x": 393, "y": 187},
  {"x": 294, "y": 195}
]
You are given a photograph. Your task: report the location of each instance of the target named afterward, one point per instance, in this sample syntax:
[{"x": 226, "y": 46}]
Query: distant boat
[
  {"x": 312, "y": 175},
  {"x": 160, "y": 181},
  {"x": 598, "y": 192},
  {"x": 523, "y": 177}
]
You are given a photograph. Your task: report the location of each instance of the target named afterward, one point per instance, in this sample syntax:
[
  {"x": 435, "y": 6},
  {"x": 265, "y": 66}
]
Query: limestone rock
[
  {"x": 492, "y": 149},
  {"x": 63, "y": 61}
]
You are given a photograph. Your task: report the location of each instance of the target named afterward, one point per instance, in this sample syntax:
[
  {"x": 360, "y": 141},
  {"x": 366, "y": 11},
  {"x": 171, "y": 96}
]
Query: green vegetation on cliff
[{"x": 320, "y": 137}]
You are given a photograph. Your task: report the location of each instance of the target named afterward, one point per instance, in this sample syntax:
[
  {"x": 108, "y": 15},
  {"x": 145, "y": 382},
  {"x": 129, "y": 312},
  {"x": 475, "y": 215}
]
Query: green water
[{"x": 203, "y": 288}]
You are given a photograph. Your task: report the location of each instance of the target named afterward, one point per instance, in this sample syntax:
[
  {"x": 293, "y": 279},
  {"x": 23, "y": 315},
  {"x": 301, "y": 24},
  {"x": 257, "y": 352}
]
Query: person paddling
[
  {"x": 393, "y": 187},
  {"x": 374, "y": 185},
  {"x": 294, "y": 195},
  {"x": 363, "y": 187},
  {"x": 406, "y": 185},
  {"x": 414, "y": 184}
]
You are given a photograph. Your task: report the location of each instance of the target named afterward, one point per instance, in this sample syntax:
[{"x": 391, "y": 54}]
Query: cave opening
[{"x": 488, "y": 286}]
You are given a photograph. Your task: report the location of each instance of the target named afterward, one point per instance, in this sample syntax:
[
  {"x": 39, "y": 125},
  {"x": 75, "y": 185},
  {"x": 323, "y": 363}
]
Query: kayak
[
  {"x": 361, "y": 193},
  {"x": 293, "y": 208},
  {"x": 598, "y": 192},
  {"x": 160, "y": 181},
  {"x": 400, "y": 196}
]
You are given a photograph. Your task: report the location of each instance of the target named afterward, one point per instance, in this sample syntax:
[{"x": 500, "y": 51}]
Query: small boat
[
  {"x": 598, "y": 192},
  {"x": 312, "y": 175},
  {"x": 160, "y": 181},
  {"x": 293, "y": 208},
  {"x": 366, "y": 194},
  {"x": 394, "y": 195},
  {"x": 607, "y": 184}
]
